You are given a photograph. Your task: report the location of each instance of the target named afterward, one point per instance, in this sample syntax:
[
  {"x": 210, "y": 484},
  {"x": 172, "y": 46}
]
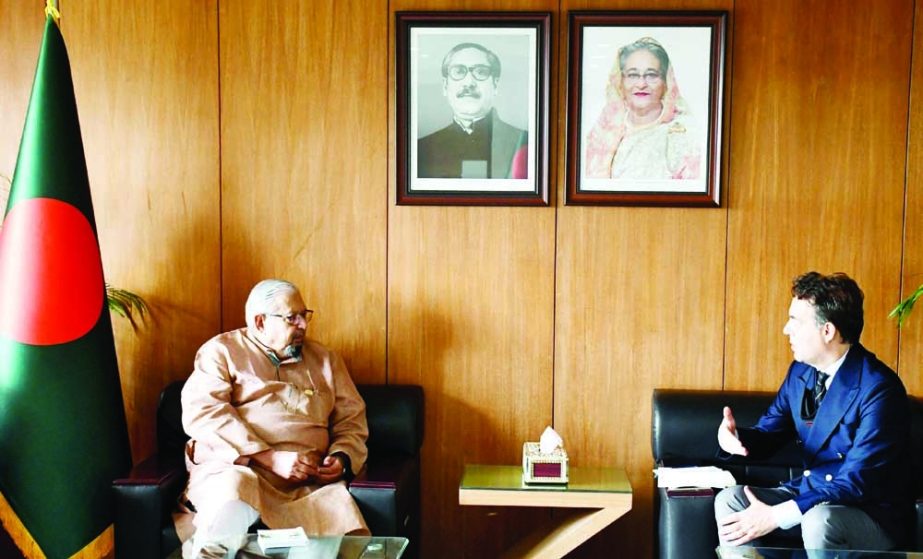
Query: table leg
[{"x": 556, "y": 542}]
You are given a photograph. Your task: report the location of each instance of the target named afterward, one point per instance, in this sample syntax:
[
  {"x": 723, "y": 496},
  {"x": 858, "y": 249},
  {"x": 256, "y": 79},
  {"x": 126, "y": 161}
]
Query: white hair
[{"x": 262, "y": 296}]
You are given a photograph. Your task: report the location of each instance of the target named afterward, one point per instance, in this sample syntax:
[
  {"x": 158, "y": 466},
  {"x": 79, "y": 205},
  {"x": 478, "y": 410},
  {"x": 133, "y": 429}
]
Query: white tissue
[{"x": 550, "y": 441}]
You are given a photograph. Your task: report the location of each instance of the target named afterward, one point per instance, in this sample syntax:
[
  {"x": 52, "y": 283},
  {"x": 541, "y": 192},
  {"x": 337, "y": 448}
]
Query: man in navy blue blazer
[{"x": 849, "y": 414}]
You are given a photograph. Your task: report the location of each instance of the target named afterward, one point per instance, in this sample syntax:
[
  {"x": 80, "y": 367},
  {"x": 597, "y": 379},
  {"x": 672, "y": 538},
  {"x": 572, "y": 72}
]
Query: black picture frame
[
  {"x": 448, "y": 151},
  {"x": 638, "y": 133}
]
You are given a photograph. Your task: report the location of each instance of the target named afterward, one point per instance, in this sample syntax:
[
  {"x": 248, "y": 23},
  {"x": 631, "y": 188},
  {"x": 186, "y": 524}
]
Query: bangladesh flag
[{"x": 63, "y": 437}]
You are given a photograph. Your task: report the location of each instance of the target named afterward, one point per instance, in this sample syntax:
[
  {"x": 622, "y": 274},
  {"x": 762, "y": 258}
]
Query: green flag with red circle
[{"x": 63, "y": 436}]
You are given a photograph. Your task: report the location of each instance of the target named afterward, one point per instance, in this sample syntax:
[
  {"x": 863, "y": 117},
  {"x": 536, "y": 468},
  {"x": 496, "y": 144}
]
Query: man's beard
[{"x": 292, "y": 351}]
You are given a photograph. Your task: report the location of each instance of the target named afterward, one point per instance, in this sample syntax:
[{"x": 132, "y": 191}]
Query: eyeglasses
[
  {"x": 292, "y": 318},
  {"x": 651, "y": 78},
  {"x": 480, "y": 71}
]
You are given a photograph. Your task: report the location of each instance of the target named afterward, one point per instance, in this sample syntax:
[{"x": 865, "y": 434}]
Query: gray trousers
[{"x": 822, "y": 527}]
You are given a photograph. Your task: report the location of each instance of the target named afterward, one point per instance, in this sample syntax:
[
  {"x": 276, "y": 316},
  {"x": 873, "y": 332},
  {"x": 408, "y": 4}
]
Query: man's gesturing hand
[
  {"x": 727, "y": 435},
  {"x": 752, "y": 522},
  {"x": 293, "y": 466}
]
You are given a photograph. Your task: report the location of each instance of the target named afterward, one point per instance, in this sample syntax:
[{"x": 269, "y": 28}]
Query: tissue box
[{"x": 538, "y": 467}]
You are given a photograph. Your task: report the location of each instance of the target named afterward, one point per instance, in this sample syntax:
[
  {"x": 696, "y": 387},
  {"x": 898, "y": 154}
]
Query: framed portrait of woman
[
  {"x": 645, "y": 105},
  {"x": 472, "y": 108}
]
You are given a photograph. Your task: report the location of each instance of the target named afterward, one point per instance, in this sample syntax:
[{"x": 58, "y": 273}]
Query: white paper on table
[
  {"x": 694, "y": 476},
  {"x": 285, "y": 537}
]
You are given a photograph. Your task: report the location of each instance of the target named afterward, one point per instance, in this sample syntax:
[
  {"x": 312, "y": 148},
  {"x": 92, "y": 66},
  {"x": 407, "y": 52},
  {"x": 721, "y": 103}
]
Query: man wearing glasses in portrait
[{"x": 477, "y": 144}]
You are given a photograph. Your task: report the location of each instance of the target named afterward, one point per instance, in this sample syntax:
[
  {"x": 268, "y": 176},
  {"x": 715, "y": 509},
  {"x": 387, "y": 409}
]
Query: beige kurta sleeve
[
  {"x": 208, "y": 414},
  {"x": 348, "y": 426}
]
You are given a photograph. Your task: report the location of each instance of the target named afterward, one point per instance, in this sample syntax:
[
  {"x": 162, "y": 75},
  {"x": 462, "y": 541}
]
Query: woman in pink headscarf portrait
[{"x": 644, "y": 131}]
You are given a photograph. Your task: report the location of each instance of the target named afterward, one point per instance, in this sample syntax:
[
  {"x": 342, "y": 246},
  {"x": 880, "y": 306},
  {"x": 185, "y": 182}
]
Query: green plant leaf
[
  {"x": 902, "y": 310},
  {"x": 126, "y": 304}
]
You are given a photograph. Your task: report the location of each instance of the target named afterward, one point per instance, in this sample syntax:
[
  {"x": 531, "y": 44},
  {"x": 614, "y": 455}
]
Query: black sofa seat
[
  {"x": 387, "y": 490},
  {"x": 684, "y": 427}
]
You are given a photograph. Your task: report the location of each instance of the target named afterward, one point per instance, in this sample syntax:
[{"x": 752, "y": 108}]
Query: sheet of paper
[
  {"x": 286, "y": 537},
  {"x": 694, "y": 476}
]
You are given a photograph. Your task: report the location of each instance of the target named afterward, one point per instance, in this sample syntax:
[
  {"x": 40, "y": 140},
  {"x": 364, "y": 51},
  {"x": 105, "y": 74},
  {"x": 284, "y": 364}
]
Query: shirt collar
[
  {"x": 469, "y": 127},
  {"x": 834, "y": 367}
]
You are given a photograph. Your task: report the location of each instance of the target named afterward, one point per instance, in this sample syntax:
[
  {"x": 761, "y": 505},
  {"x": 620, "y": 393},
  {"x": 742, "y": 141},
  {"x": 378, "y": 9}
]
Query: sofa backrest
[
  {"x": 685, "y": 425},
  {"x": 394, "y": 412}
]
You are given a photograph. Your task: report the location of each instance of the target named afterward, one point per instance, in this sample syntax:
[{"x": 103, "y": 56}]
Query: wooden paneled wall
[
  {"x": 230, "y": 140},
  {"x": 910, "y": 349},
  {"x": 471, "y": 318},
  {"x": 639, "y": 304},
  {"x": 21, "y": 29},
  {"x": 304, "y": 125},
  {"x": 147, "y": 95},
  {"x": 818, "y": 162}
]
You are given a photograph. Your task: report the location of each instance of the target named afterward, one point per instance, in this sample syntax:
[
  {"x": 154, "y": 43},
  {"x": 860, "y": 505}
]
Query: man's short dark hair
[
  {"x": 492, "y": 59},
  {"x": 836, "y": 299}
]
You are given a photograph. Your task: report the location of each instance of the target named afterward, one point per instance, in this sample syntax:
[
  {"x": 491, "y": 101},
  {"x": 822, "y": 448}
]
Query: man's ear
[
  {"x": 445, "y": 87},
  {"x": 829, "y": 332},
  {"x": 258, "y": 321}
]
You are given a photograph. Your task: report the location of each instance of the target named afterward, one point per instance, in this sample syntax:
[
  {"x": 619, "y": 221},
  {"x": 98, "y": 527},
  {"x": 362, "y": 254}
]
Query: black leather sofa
[
  {"x": 684, "y": 428},
  {"x": 387, "y": 490}
]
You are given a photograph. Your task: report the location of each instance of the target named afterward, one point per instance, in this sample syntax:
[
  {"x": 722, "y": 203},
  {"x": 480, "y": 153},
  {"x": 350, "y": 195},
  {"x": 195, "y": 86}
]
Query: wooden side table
[{"x": 605, "y": 490}]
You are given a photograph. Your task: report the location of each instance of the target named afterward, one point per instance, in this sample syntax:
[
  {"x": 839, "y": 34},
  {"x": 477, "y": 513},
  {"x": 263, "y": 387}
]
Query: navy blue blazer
[{"x": 856, "y": 451}]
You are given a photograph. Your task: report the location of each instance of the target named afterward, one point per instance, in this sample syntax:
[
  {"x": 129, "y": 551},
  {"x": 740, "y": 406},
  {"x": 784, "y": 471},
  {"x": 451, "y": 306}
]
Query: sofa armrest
[
  {"x": 387, "y": 491},
  {"x": 144, "y": 500},
  {"x": 686, "y": 523}
]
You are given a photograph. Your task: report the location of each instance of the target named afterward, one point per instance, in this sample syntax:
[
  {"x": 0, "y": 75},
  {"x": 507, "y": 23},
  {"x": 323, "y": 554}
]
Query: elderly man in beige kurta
[{"x": 274, "y": 421}]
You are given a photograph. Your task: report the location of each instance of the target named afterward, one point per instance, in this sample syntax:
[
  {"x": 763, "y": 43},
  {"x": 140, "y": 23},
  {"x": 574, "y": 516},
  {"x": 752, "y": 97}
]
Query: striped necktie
[{"x": 820, "y": 389}]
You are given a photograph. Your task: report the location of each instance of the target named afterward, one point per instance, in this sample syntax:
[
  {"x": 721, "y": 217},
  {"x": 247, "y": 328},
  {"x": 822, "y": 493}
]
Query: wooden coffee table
[{"x": 606, "y": 491}]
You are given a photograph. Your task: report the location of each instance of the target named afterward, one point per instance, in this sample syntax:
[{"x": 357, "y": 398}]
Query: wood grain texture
[
  {"x": 21, "y": 26},
  {"x": 817, "y": 176},
  {"x": 303, "y": 137},
  {"x": 151, "y": 142},
  {"x": 470, "y": 308},
  {"x": 560, "y": 538},
  {"x": 639, "y": 304},
  {"x": 911, "y": 334}
]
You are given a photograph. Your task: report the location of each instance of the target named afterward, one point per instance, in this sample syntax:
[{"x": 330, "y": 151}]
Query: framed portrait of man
[
  {"x": 645, "y": 106},
  {"x": 472, "y": 103}
]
